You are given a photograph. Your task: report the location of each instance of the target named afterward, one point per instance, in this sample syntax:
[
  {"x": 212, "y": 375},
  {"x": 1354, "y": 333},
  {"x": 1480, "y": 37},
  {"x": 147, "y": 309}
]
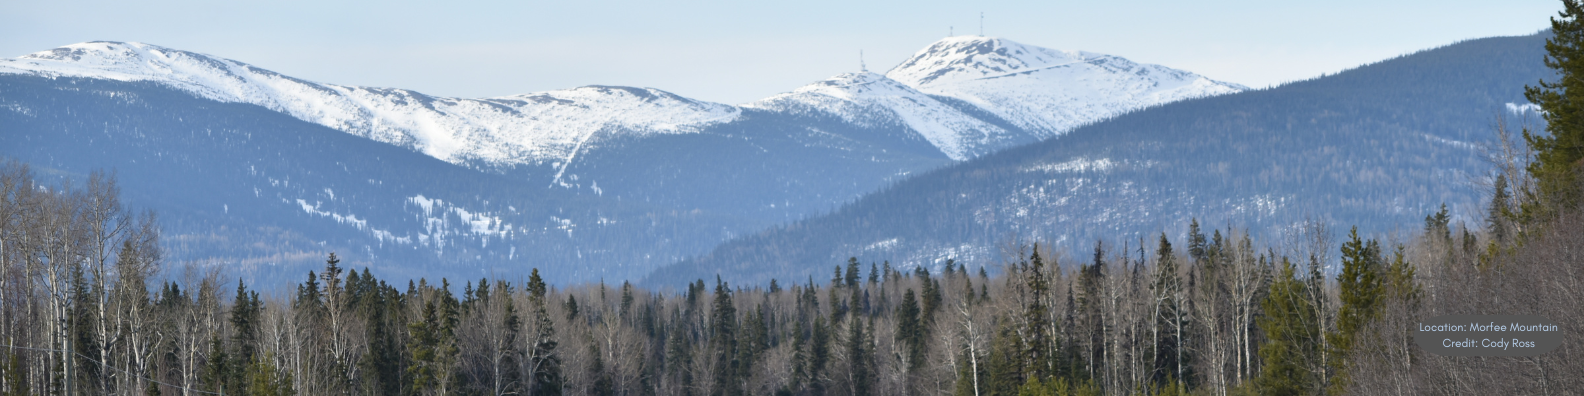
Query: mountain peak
[
  {"x": 959, "y": 58},
  {"x": 1042, "y": 90}
]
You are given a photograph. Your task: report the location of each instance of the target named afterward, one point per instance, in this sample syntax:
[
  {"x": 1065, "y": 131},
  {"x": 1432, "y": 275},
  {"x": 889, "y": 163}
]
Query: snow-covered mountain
[
  {"x": 643, "y": 176},
  {"x": 1046, "y": 91},
  {"x": 966, "y": 95},
  {"x": 871, "y": 100},
  {"x": 543, "y": 127},
  {"x": 1378, "y": 147}
]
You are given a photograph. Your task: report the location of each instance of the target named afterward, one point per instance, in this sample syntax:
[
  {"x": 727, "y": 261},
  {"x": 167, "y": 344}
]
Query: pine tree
[
  {"x": 1169, "y": 319},
  {"x": 1036, "y": 319},
  {"x": 542, "y": 365},
  {"x": 1292, "y": 341},
  {"x": 1196, "y": 242},
  {"x": 244, "y": 324},
  {"x": 1561, "y": 101},
  {"x": 83, "y": 337},
  {"x": 264, "y": 379},
  {"x": 858, "y": 352},
  {"x": 571, "y": 308},
  {"x": 851, "y": 280},
  {"x": 723, "y": 342},
  {"x": 602, "y": 384},
  {"x": 819, "y": 355},
  {"x": 910, "y": 331},
  {"x": 1360, "y": 286},
  {"x": 1496, "y": 217},
  {"x": 1006, "y": 363},
  {"x": 929, "y": 302}
]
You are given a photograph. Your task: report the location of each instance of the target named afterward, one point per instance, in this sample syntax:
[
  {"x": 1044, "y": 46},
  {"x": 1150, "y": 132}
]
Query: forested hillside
[
  {"x": 85, "y": 311},
  {"x": 1377, "y": 146},
  {"x": 266, "y": 194}
]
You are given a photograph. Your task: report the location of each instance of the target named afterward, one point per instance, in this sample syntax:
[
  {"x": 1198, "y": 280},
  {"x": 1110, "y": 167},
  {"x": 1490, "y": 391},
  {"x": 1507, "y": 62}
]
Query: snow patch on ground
[
  {"x": 1523, "y": 108},
  {"x": 1076, "y": 165}
]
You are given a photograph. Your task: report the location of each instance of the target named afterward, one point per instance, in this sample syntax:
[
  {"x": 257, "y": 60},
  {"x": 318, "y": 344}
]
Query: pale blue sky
[{"x": 739, "y": 51}]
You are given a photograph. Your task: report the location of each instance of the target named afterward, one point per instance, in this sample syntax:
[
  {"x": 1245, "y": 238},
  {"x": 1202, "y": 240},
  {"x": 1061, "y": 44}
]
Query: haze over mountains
[{"x": 253, "y": 166}]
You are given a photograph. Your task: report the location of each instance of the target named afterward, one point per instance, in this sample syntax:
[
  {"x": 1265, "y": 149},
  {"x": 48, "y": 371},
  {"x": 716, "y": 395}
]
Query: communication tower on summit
[
  {"x": 981, "y": 24},
  {"x": 861, "y": 67}
]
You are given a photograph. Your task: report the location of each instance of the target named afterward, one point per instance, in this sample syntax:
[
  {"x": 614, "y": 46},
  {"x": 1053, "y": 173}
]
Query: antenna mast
[
  {"x": 981, "y": 24},
  {"x": 861, "y": 66}
]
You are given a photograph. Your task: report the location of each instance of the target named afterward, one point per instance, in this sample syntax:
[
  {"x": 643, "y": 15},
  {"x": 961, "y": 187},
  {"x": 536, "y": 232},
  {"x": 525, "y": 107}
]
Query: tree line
[{"x": 84, "y": 311}]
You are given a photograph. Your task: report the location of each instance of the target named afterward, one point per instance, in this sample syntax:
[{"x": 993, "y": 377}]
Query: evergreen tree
[
  {"x": 1361, "y": 289},
  {"x": 723, "y": 342},
  {"x": 754, "y": 340},
  {"x": 679, "y": 360},
  {"x": 571, "y": 308},
  {"x": 264, "y": 379},
  {"x": 1292, "y": 341},
  {"x": 1006, "y": 363},
  {"x": 380, "y": 307},
  {"x": 542, "y": 365},
  {"x": 851, "y": 280},
  {"x": 1196, "y": 242},
  {"x": 930, "y": 301},
  {"x": 603, "y": 384},
  {"x": 84, "y": 337},
  {"x": 1439, "y": 225},
  {"x": 819, "y": 355},
  {"x": 218, "y": 373},
  {"x": 1496, "y": 217},
  {"x": 858, "y": 358},
  {"x": 1170, "y": 356},
  {"x": 1036, "y": 319},
  {"x": 1561, "y": 101},
  {"x": 244, "y": 325},
  {"x": 967, "y": 378},
  {"x": 910, "y": 331}
]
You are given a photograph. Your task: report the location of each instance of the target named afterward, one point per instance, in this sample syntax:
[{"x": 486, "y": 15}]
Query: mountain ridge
[{"x": 1379, "y": 146}]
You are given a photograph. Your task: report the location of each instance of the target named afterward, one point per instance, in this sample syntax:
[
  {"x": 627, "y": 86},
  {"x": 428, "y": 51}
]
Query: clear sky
[{"x": 740, "y": 51}]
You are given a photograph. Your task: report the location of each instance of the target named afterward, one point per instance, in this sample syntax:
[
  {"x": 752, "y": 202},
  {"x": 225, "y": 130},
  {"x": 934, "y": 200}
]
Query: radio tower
[
  {"x": 981, "y": 24},
  {"x": 861, "y": 67}
]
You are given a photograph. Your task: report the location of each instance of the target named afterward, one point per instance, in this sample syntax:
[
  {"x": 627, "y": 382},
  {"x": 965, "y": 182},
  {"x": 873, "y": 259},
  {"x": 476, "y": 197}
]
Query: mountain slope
[
  {"x": 1379, "y": 146},
  {"x": 514, "y": 130},
  {"x": 598, "y": 181},
  {"x": 604, "y": 140},
  {"x": 871, "y": 100},
  {"x": 267, "y": 196}
]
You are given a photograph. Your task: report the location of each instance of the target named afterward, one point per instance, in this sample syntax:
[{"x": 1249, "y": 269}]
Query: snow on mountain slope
[
  {"x": 1045, "y": 91},
  {"x": 545, "y": 127},
  {"x": 872, "y": 100}
]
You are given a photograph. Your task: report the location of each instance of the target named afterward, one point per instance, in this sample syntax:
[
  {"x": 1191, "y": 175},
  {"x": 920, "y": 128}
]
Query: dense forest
[{"x": 85, "y": 311}]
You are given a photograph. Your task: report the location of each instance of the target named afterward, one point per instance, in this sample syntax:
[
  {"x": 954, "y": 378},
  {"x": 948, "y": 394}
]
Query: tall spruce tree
[
  {"x": 542, "y": 366},
  {"x": 1170, "y": 319},
  {"x": 723, "y": 342},
  {"x": 1291, "y": 352},
  {"x": 1561, "y": 101},
  {"x": 1361, "y": 288},
  {"x": 910, "y": 331}
]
